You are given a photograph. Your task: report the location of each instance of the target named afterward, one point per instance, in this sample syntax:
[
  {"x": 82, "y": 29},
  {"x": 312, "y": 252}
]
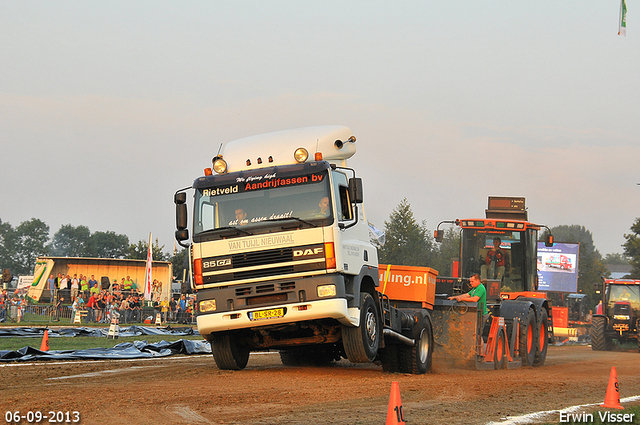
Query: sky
[{"x": 108, "y": 108}]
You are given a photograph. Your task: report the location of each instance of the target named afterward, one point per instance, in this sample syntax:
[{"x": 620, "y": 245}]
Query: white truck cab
[{"x": 280, "y": 249}]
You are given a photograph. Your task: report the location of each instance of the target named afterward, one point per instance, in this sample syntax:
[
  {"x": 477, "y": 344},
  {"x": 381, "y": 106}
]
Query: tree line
[
  {"x": 408, "y": 242},
  {"x": 21, "y": 245}
]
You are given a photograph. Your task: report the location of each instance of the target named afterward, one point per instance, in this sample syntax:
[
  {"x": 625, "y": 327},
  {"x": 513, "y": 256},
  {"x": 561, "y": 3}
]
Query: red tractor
[{"x": 619, "y": 316}]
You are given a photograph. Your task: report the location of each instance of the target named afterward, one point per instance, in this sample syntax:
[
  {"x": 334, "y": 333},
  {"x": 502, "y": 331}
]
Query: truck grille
[
  {"x": 245, "y": 291},
  {"x": 249, "y": 274},
  {"x": 267, "y": 299},
  {"x": 263, "y": 264},
  {"x": 261, "y": 258}
]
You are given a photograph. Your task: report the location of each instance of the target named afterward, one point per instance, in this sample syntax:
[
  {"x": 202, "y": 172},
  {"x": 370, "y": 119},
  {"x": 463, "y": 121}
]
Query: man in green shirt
[{"x": 477, "y": 294}]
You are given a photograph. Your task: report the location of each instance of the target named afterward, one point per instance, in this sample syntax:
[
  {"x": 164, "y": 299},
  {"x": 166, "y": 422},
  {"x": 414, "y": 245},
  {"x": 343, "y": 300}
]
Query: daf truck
[{"x": 281, "y": 258}]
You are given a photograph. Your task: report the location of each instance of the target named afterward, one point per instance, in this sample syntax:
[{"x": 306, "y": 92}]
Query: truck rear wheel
[
  {"x": 528, "y": 338},
  {"x": 229, "y": 353},
  {"x": 598, "y": 339},
  {"x": 390, "y": 358},
  {"x": 541, "y": 352},
  {"x": 361, "y": 343},
  {"x": 417, "y": 359}
]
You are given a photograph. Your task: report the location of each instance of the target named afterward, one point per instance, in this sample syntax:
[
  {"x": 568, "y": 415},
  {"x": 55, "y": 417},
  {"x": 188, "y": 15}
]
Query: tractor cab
[
  {"x": 497, "y": 251},
  {"x": 501, "y": 248},
  {"x": 623, "y": 305}
]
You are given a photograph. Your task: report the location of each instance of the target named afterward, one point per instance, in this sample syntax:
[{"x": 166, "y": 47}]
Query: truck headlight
[
  {"x": 219, "y": 165},
  {"x": 301, "y": 155},
  {"x": 207, "y": 306},
  {"x": 326, "y": 291}
]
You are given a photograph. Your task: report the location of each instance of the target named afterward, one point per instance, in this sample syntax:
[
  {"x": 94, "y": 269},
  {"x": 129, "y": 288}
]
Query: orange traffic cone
[
  {"x": 395, "y": 415},
  {"x": 612, "y": 397},
  {"x": 45, "y": 341}
]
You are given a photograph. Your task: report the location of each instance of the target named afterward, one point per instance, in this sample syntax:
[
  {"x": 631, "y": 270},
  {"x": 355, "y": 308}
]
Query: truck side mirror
[
  {"x": 438, "y": 235},
  {"x": 180, "y": 200},
  {"x": 355, "y": 190},
  {"x": 182, "y": 235},
  {"x": 548, "y": 242},
  {"x": 181, "y": 216}
]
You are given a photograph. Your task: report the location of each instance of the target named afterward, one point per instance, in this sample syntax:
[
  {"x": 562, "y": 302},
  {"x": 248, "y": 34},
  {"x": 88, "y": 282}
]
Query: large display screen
[{"x": 558, "y": 267}]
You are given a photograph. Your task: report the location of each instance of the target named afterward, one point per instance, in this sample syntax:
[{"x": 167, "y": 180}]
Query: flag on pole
[
  {"x": 147, "y": 274},
  {"x": 622, "y": 28}
]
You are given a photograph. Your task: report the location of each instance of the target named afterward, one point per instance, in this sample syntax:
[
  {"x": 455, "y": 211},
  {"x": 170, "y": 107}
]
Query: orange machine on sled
[{"x": 522, "y": 324}]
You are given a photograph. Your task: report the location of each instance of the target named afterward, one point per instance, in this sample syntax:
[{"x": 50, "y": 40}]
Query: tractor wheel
[
  {"x": 543, "y": 340},
  {"x": 390, "y": 358},
  {"x": 500, "y": 353},
  {"x": 598, "y": 340},
  {"x": 229, "y": 352},
  {"x": 527, "y": 336},
  {"x": 417, "y": 359},
  {"x": 361, "y": 343}
]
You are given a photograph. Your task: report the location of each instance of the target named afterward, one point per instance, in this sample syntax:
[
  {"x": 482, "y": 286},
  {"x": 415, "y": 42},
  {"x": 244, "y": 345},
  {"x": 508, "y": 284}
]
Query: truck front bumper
[{"x": 334, "y": 308}]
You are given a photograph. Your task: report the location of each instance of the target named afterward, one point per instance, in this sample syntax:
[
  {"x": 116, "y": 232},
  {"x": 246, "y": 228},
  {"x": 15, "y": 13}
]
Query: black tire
[
  {"x": 598, "y": 340},
  {"x": 229, "y": 352},
  {"x": 361, "y": 343},
  {"x": 417, "y": 359},
  {"x": 543, "y": 340},
  {"x": 290, "y": 358},
  {"x": 390, "y": 358},
  {"x": 313, "y": 355},
  {"x": 500, "y": 352},
  {"x": 528, "y": 333}
]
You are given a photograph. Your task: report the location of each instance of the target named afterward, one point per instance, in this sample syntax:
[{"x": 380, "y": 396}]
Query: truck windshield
[
  {"x": 260, "y": 201},
  {"x": 494, "y": 255}
]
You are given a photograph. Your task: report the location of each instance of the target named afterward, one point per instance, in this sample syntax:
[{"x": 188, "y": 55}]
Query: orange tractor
[{"x": 502, "y": 249}]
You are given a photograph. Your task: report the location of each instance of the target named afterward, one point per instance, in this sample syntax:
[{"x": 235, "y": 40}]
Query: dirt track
[{"x": 192, "y": 390}]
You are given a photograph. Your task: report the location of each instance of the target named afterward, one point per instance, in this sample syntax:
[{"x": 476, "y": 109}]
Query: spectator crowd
[{"x": 100, "y": 302}]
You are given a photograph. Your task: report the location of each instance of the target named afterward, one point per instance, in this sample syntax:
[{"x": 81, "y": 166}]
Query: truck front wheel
[
  {"x": 229, "y": 352},
  {"x": 361, "y": 343}
]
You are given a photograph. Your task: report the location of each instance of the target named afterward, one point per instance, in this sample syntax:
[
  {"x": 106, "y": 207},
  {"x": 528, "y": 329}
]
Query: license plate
[{"x": 273, "y": 313}]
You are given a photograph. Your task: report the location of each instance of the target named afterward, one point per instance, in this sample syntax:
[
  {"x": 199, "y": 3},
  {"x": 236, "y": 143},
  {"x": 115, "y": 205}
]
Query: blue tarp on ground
[
  {"x": 96, "y": 332},
  {"x": 125, "y": 350}
]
